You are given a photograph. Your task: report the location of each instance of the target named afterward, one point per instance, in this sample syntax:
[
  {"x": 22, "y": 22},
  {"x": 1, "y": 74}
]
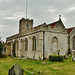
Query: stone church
[{"x": 40, "y": 41}]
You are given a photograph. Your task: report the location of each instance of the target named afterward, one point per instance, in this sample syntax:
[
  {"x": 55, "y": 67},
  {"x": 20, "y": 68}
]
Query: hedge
[{"x": 56, "y": 58}]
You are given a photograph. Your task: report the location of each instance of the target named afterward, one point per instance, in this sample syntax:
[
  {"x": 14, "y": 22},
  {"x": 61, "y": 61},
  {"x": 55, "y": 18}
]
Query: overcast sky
[{"x": 11, "y": 11}]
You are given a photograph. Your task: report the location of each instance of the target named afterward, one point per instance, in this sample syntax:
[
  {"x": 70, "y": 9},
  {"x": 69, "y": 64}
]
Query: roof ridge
[
  {"x": 54, "y": 22},
  {"x": 69, "y": 30}
]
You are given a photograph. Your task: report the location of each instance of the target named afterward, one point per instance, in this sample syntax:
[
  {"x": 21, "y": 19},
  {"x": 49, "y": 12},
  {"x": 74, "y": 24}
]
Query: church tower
[{"x": 25, "y": 24}]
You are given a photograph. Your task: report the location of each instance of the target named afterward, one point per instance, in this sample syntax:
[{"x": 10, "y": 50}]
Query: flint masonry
[{"x": 40, "y": 41}]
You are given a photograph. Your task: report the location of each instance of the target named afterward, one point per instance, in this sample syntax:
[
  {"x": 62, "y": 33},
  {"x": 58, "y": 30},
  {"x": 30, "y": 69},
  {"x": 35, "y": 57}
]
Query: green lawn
[{"x": 33, "y": 67}]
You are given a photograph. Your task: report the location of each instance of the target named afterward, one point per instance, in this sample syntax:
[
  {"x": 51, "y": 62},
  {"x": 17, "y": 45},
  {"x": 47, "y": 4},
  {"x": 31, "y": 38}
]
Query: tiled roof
[
  {"x": 69, "y": 30},
  {"x": 53, "y": 24}
]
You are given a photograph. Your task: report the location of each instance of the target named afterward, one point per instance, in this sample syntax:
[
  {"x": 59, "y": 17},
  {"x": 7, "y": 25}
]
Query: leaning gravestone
[
  {"x": 16, "y": 70},
  {"x": 73, "y": 56}
]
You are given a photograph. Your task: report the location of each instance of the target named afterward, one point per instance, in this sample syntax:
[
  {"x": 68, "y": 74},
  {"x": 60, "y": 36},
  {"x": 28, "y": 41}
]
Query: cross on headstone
[{"x": 16, "y": 70}]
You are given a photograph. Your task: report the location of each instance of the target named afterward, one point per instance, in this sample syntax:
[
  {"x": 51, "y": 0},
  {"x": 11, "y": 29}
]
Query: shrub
[
  {"x": 0, "y": 55},
  {"x": 2, "y": 50},
  {"x": 56, "y": 58},
  {"x": 1, "y": 47},
  {"x": 58, "y": 52},
  {"x": 3, "y": 55},
  {"x": 39, "y": 58}
]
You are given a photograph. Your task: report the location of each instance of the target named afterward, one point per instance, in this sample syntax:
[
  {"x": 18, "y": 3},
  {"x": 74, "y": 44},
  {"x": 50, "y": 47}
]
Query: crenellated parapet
[{"x": 25, "y": 24}]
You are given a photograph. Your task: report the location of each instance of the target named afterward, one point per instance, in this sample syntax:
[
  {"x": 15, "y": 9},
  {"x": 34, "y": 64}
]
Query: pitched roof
[
  {"x": 53, "y": 24},
  {"x": 44, "y": 24},
  {"x": 69, "y": 30}
]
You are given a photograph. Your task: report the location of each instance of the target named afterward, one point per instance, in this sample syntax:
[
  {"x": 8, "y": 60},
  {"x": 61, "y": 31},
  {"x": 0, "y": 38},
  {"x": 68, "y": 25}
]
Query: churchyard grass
[{"x": 34, "y": 67}]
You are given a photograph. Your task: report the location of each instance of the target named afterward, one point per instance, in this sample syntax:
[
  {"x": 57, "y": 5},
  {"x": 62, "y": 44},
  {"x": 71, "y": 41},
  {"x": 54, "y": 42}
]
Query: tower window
[{"x": 27, "y": 26}]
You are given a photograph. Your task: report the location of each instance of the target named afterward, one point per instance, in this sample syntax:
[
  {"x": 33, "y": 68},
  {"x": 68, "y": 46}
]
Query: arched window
[
  {"x": 26, "y": 44},
  {"x": 74, "y": 43},
  {"x": 22, "y": 44},
  {"x": 27, "y": 26},
  {"x": 34, "y": 43},
  {"x": 54, "y": 44},
  {"x": 14, "y": 48}
]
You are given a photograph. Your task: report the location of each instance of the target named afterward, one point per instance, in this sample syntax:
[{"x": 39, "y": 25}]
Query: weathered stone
[
  {"x": 16, "y": 70},
  {"x": 71, "y": 39},
  {"x": 44, "y": 62},
  {"x": 66, "y": 57},
  {"x": 73, "y": 58},
  {"x": 39, "y": 72},
  {"x": 51, "y": 39}
]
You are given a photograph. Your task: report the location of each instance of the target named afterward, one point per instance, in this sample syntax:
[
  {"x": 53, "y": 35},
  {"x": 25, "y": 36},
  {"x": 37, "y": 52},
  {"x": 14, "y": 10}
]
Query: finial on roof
[
  {"x": 59, "y": 17},
  {"x": 44, "y": 22}
]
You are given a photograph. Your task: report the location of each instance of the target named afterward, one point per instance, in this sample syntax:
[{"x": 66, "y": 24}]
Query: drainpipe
[
  {"x": 68, "y": 42},
  {"x": 43, "y": 43}
]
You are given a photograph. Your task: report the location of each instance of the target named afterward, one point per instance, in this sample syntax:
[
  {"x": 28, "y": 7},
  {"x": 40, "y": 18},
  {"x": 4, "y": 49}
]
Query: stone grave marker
[
  {"x": 73, "y": 56},
  {"x": 16, "y": 70}
]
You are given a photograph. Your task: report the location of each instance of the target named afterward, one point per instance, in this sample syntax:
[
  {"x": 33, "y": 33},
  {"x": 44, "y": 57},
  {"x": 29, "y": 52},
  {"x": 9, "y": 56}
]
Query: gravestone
[
  {"x": 73, "y": 58},
  {"x": 16, "y": 70}
]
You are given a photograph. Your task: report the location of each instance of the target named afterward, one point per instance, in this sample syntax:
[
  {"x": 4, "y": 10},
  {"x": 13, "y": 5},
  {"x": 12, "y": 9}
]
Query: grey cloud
[{"x": 11, "y": 11}]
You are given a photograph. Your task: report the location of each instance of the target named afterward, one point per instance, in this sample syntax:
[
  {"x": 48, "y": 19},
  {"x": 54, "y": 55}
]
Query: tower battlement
[{"x": 25, "y": 24}]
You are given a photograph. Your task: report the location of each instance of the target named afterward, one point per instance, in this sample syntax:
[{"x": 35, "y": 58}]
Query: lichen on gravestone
[{"x": 16, "y": 70}]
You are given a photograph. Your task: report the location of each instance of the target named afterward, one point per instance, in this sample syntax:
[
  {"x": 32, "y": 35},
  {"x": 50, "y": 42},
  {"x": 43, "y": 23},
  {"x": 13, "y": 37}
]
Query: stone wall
[
  {"x": 61, "y": 44},
  {"x": 46, "y": 38},
  {"x": 72, "y": 34},
  {"x": 29, "y": 53}
]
